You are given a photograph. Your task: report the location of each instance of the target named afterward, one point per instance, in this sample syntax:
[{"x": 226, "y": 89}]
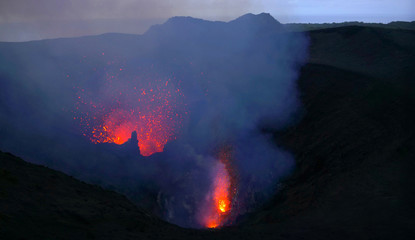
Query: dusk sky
[{"x": 23, "y": 20}]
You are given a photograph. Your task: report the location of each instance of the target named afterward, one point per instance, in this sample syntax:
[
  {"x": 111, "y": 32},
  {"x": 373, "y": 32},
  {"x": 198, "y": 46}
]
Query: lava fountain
[
  {"x": 153, "y": 107},
  {"x": 219, "y": 199}
]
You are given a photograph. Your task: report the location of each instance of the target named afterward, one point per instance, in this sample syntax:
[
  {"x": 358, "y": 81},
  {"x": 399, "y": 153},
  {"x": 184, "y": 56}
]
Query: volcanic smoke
[{"x": 192, "y": 86}]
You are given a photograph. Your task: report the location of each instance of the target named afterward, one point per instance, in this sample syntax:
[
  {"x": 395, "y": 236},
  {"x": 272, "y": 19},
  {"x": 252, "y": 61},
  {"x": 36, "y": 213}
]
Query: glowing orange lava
[
  {"x": 221, "y": 195},
  {"x": 153, "y": 129},
  {"x": 153, "y": 107}
]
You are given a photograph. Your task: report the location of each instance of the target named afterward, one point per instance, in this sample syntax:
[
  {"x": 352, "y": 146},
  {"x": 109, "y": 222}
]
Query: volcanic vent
[{"x": 218, "y": 205}]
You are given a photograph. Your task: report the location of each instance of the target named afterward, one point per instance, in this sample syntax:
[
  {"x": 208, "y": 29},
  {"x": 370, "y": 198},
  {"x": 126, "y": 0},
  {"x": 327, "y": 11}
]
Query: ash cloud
[
  {"x": 237, "y": 77},
  {"x": 250, "y": 66}
]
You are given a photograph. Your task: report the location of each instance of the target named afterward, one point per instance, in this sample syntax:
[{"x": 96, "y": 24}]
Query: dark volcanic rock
[
  {"x": 354, "y": 145},
  {"x": 38, "y": 203},
  {"x": 354, "y": 154},
  {"x": 378, "y": 52}
]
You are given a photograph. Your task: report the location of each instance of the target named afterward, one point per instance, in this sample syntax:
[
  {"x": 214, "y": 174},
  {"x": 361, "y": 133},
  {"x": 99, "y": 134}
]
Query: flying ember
[{"x": 153, "y": 107}]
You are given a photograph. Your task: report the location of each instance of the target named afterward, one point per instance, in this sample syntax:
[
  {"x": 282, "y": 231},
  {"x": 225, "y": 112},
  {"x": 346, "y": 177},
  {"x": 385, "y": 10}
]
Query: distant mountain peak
[
  {"x": 262, "y": 22},
  {"x": 257, "y": 16},
  {"x": 181, "y": 23},
  {"x": 262, "y": 18},
  {"x": 184, "y": 20}
]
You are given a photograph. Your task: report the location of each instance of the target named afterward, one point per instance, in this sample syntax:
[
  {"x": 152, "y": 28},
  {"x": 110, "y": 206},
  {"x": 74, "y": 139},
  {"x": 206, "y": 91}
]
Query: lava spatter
[{"x": 152, "y": 106}]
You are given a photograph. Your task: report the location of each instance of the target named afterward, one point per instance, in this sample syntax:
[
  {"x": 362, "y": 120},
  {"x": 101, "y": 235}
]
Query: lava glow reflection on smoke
[{"x": 219, "y": 200}]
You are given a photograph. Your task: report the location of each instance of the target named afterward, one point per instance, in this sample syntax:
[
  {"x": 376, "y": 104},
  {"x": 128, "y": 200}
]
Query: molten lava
[
  {"x": 153, "y": 107},
  {"x": 153, "y": 130},
  {"x": 219, "y": 205}
]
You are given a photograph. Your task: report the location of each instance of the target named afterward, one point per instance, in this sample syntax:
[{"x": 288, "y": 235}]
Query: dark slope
[
  {"x": 39, "y": 203},
  {"x": 354, "y": 145},
  {"x": 378, "y": 52},
  {"x": 354, "y": 150}
]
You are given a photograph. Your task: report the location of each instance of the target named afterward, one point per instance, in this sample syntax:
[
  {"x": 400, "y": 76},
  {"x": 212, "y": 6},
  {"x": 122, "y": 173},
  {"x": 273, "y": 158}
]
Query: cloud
[{"x": 37, "y": 10}]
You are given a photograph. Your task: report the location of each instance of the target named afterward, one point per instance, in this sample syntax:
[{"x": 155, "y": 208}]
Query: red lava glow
[
  {"x": 221, "y": 196},
  {"x": 153, "y": 129},
  {"x": 153, "y": 107}
]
